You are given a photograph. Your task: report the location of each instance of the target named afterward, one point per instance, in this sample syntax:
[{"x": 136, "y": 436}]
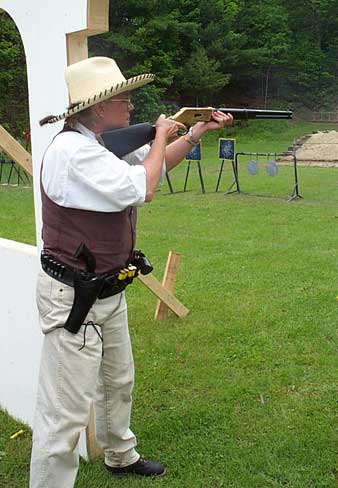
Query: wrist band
[{"x": 189, "y": 137}]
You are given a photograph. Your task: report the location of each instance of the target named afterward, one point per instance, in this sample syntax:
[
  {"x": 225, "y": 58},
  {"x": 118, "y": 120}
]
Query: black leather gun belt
[{"x": 113, "y": 284}]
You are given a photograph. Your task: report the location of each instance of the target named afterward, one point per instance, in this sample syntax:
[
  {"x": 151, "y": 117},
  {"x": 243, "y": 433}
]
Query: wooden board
[
  {"x": 77, "y": 47},
  {"x": 15, "y": 151},
  {"x": 168, "y": 283},
  {"x": 157, "y": 289},
  {"x": 94, "y": 450},
  {"x": 97, "y": 23},
  {"x": 98, "y": 16}
]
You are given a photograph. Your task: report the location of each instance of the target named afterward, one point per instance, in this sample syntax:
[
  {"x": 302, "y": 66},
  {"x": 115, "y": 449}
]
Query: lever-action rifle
[{"x": 128, "y": 139}]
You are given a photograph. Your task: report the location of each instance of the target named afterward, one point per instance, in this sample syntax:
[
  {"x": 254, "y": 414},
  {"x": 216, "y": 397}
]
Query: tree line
[{"x": 263, "y": 53}]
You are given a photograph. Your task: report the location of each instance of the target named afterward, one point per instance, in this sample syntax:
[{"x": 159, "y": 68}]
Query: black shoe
[{"x": 142, "y": 467}]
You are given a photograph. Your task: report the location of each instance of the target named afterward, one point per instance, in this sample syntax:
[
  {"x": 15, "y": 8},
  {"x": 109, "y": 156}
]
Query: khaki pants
[{"x": 71, "y": 377}]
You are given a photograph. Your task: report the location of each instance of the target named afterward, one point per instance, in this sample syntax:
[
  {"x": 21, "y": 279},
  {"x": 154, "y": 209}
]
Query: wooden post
[
  {"x": 77, "y": 47},
  {"x": 94, "y": 450},
  {"x": 97, "y": 23},
  {"x": 168, "y": 282}
]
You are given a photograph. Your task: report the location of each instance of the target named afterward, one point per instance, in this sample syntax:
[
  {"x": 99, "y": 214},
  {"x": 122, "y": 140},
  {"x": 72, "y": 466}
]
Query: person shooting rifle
[{"x": 89, "y": 202}]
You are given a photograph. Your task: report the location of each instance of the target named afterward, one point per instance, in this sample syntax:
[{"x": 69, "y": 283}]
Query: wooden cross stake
[
  {"x": 164, "y": 291},
  {"x": 168, "y": 282}
]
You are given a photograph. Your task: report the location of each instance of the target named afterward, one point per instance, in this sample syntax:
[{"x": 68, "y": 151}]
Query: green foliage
[
  {"x": 214, "y": 51},
  {"x": 313, "y": 60},
  {"x": 13, "y": 79},
  {"x": 147, "y": 101},
  {"x": 170, "y": 39},
  {"x": 235, "y": 52},
  {"x": 202, "y": 73}
]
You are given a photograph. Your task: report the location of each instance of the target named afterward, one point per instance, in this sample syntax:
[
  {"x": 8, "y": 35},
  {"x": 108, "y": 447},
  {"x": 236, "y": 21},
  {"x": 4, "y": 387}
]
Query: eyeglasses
[
  {"x": 127, "y": 100},
  {"x": 120, "y": 100}
]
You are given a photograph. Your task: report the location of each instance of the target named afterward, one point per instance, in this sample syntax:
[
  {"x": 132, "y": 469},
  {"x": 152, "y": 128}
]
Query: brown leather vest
[{"x": 110, "y": 236}]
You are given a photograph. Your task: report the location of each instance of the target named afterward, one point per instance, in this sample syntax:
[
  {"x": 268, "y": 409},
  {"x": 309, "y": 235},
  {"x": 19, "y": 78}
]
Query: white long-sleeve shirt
[{"x": 78, "y": 172}]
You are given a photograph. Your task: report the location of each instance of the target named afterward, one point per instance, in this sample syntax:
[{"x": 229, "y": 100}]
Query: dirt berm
[{"x": 318, "y": 149}]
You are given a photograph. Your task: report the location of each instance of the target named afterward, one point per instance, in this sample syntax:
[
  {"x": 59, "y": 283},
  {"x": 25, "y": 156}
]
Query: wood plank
[
  {"x": 98, "y": 16},
  {"x": 77, "y": 47},
  {"x": 94, "y": 450},
  {"x": 168, "y": 282},
  {"x": 97, "y": 23},
  {"x": 15, "y": 151},
  {"x": 157, "y": 289}
]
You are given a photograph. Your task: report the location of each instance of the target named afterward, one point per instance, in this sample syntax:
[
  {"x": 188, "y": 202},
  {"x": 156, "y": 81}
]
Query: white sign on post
[{"x": 54, "y": 34}]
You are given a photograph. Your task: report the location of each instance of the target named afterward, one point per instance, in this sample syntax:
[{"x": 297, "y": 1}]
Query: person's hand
[
  {"x": 219, "y": 121},
  {"x": 168, "y": 127}
]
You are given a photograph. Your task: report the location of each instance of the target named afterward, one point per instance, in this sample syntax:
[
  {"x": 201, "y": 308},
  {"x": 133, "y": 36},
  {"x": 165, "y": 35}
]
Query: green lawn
[{"x": 242, "y": 393}]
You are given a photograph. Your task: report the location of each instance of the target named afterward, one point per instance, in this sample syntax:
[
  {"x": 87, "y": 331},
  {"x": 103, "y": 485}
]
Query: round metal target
[
  {"x": 272, "y": 168},
  {"x": 252, "y": 167}
]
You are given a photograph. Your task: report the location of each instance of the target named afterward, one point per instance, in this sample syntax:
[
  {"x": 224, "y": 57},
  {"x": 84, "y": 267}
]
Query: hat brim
[{"x": 128, "y": 85}]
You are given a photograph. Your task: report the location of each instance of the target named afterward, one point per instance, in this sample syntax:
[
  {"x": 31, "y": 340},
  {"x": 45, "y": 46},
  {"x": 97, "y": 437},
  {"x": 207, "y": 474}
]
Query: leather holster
[{"x": 86, "y": 292}]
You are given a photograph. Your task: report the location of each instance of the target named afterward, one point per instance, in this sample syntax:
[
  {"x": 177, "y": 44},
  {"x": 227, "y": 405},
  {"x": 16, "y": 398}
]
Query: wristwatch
[{"x": 189, "y": 137}]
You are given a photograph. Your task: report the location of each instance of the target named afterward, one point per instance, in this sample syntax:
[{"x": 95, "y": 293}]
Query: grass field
[{"x": 243, "y": 392}]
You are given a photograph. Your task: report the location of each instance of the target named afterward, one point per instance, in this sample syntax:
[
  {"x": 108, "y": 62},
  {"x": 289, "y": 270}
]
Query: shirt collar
[{"x": 85, "y": 131}]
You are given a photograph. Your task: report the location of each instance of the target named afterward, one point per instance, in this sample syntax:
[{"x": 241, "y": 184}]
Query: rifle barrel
[{"x": 248, "y": 113}]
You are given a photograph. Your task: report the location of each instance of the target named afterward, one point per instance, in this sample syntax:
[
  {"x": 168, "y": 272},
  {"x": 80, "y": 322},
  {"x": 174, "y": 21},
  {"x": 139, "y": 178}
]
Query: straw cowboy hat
[{"x": 94, "y": 80}]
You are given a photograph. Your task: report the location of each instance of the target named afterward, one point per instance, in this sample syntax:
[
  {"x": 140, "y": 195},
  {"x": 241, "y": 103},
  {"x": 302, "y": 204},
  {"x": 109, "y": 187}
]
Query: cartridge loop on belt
[{"x": 113, "y": 283}]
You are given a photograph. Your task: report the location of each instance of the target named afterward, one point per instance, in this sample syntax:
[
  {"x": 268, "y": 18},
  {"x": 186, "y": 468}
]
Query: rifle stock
[{"x": 126, "y": 140}]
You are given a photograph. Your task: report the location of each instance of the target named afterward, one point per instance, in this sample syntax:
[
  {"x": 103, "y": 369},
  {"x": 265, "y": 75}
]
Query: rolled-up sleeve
[
  {"x": 138, "y": 156},
  {"x": 103, "y": 181}
]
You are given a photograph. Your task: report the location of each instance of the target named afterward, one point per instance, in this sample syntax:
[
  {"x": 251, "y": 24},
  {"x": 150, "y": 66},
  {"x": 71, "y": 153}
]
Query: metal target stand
[
  {"x": 194, "y": 156},
  {"x": 235, "y": 185},
  {"x": 235, "y": 181},
  {"x": 171, "y": 189}
]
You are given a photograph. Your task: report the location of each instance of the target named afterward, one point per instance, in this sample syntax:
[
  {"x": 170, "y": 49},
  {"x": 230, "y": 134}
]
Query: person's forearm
[
  {"x": 153, "y": 164},
  {"x": 178, "y": 149}
]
